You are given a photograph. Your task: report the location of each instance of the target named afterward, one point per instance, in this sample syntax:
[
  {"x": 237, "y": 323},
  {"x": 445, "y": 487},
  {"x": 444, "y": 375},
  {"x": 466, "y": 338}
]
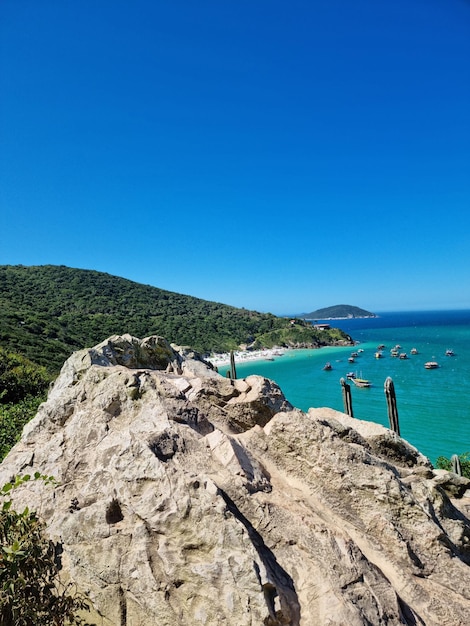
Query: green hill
[
  {"x": 338, "y": 311},
  {"x": 47, "y": 312}
]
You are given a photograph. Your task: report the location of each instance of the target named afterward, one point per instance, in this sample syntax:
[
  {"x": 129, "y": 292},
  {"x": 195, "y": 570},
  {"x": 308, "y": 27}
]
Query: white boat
[{"x": 431, "y": 365}]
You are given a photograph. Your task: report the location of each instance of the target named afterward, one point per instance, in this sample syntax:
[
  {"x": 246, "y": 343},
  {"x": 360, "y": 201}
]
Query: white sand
[{"x": 242, "y": 356}]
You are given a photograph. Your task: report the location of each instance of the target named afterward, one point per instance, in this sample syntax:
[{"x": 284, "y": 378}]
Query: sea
[{"x": 433, "y": 404}]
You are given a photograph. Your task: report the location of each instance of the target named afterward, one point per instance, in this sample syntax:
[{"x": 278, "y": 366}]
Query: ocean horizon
[{"x": 433, "y": 405}]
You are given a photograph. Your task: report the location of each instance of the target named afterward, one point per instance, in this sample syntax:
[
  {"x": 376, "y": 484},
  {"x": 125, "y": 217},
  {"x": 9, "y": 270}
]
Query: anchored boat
[{"x": 361, "y": 382}]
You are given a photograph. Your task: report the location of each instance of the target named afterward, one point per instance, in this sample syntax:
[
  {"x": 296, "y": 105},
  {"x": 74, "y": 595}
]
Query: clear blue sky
[{"x": 279, "y": 156}]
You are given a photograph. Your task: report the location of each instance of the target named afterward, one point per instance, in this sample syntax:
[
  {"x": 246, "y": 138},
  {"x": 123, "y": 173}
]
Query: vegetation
[
  {"x": 23, "y": 386},
  {"x": 31, "y": 593},
  {"x": 12, "y": 419},
  {"x": 47, "y": 312},
  {"x": 443, "y": 462},
  {"x": 20, "y": 377},
  {"x": 339, "y": 311},
  {"x": 301, "y": 334}
]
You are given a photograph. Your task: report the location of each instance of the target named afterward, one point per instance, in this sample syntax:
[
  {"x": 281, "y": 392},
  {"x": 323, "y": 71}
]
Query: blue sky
[{"x": 275, "y": 156}]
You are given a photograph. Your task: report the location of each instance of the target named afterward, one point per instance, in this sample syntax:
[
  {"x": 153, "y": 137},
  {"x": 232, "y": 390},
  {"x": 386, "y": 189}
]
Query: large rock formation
[{"x": 186, "y": 498}]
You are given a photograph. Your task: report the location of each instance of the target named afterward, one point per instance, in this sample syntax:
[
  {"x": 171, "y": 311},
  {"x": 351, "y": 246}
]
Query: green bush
[
  {"x": 23, "y": 386},
  {"x": 12, "y": 419},
  {"x": 443, "y": 462},
  {"x": 20, "y": 377},
  {"x": 31, "y": 593}
]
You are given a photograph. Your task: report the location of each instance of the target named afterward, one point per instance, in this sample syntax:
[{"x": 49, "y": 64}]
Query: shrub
[
  {"x": 12, "y": 419},
  {"x": 443, "y": 462},
  {"x": 31, "y": 593},
  {"x": 20, "y": 377}
]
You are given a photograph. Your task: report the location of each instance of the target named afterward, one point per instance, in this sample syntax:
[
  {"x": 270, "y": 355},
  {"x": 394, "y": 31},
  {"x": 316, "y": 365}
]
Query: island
[{"x": 338, "y": 312}]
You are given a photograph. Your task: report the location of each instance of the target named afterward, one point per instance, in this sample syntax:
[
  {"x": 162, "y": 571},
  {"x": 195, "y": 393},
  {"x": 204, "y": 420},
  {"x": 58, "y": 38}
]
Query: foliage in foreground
[
  {"x": 443, "y": 462},
  {"x": 31, "y": 593}
]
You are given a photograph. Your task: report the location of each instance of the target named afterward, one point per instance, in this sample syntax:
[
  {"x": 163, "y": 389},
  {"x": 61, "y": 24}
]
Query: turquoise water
[{"x": 433, "y": 405}]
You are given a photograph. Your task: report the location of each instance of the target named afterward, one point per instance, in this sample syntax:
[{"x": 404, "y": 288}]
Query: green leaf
[{"x": 6, "y": 506}]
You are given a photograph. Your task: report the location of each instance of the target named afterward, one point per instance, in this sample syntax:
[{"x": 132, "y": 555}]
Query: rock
[
  {"x": 186, "y": 498},
  {"x": 455, "y": 486}
]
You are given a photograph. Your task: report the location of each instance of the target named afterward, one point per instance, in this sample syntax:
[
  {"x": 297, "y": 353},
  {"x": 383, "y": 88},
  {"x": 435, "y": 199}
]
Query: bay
[{"x": 433, "y": 405}]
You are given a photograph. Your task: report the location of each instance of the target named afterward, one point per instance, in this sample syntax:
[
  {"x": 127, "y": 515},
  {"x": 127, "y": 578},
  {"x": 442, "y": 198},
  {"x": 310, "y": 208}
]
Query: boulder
[{"x": 186, "y": 498}]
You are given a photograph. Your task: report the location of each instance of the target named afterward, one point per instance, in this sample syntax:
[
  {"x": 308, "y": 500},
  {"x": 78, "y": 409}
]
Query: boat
[
  {"x": 350, "y": 375},
  {"x": 354, "y": 354},
  {"x": 402, "y": 355},
  {"x": 431, "y": 365},
  {"x": 351, "y": 359},
  {"x": 378, "y": 354},
  {"x": 393, "y": 352},
  {"x": 413, "y": 351},
  {"x": 381, "y": 347},
  {"x": 361, "y": 382},
  {"x": 450, "y": 353},
  {"x": 327, "y": 366}
]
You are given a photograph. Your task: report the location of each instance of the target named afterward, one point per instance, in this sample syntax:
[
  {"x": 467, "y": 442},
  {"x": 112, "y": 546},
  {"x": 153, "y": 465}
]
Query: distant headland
[{"x": 337, "y": 312}]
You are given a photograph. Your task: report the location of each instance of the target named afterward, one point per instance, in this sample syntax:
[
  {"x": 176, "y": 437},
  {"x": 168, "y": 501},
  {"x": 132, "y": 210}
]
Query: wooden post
[
  {"x": 347, "y": 400},
  {"x": 456, "y": 466},
  {"x": 233, "y": 371},
  {"x": 389, "y": 389}
]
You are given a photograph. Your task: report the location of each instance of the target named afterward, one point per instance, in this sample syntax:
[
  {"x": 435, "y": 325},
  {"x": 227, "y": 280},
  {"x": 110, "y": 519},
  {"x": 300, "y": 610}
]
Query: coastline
[{"x": 242, "y": 356}]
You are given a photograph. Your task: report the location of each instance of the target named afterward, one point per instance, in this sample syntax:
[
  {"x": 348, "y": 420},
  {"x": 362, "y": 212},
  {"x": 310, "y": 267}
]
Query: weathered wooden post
[
  {"x": 347, "y": 400},
  {"x": 233, "y": 371},
  {"x": 456, "y": 466},
  {"x": 389, "y": 389}
]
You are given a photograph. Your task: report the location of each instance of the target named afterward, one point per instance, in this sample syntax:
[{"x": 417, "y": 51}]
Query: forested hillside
[
  {"x": 47, "y": 312},
  {"x": 338, "y": 311}
]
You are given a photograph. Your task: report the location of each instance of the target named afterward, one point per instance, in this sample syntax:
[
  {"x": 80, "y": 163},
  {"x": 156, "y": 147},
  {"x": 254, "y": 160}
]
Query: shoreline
[
  {"x": 242, "y": 356},
  {"x": 222, "y": 359}
]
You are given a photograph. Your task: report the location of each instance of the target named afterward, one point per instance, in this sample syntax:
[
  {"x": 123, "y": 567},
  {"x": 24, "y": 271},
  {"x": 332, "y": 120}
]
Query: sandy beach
[{"x": 241, "y": 356}]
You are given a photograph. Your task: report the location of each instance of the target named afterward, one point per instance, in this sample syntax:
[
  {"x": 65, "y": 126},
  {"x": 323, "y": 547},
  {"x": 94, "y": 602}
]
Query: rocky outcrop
[{"x": 187, "y": 498}]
